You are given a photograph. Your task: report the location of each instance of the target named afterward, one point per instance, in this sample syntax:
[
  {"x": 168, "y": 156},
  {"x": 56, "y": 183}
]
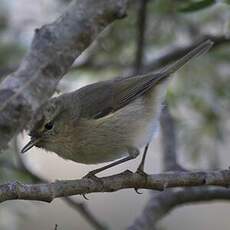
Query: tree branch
[
  {"x": 54, "y": 48},
  {"x": 168, "y": 141},
  {"x": 48, "y": 191},
  {"x": 141, "y": 26}
]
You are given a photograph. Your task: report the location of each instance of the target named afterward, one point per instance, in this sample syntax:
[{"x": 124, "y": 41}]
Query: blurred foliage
[
  {"x": 10, "y": 53},
  {"x": 191, "y": 6}
]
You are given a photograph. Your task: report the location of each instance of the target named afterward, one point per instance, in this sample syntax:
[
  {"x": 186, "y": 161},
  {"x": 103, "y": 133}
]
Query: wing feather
[{"x": 103, "y": 98}]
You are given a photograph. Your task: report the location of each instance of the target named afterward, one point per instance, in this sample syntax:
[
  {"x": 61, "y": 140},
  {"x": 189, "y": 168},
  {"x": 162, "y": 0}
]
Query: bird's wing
[{"x": 103, "y": 98}]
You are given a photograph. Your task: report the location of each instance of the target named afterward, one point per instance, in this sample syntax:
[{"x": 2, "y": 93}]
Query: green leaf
[{"x": 196, "y": 5}]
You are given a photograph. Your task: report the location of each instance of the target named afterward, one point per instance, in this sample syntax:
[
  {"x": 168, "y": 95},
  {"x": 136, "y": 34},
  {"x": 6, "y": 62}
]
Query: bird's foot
[
  {"x": 84, "y": 196},
  {"x": 141, "y": 172},
  {"x": 128, "y": 172},
  {"x": 91, "y": 175}
]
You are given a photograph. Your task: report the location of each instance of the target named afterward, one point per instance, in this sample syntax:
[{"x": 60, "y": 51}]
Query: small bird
[{"x": 105, "y": 121}]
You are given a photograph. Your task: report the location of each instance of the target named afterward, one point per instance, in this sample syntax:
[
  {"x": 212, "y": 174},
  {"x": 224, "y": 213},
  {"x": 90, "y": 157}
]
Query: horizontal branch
[
  {"x": 54, "y": 48},
  {"x": 48, "y": 191}
]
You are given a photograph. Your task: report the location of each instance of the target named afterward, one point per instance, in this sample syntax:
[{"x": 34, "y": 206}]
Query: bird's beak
[{"x": 30, "y": 144}]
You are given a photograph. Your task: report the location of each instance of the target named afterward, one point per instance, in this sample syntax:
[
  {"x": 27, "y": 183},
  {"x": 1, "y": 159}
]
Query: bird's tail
[{"x": 203, "y": 47}]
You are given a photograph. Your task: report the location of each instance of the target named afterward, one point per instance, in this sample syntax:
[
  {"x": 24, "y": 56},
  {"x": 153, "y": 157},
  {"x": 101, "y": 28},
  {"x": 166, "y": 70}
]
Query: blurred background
[{"x": 155, "y": 33}]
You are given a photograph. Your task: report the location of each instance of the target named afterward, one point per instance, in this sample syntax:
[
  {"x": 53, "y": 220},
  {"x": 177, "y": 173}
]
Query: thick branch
[
  {"x": 49, "y": 191},
  {"x": 54, "y": 48}
]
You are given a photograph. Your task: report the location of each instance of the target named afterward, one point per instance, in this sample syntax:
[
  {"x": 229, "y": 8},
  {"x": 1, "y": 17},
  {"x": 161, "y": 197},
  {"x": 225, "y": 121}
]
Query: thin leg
[
  {"x": 95, "y": 171},
  {"x": 141, "y": 166}
]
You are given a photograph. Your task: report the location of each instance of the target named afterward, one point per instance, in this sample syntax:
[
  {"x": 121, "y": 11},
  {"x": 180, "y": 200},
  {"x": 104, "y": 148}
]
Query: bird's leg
[
  {"x": 133, "y": 153},
  {"x": 141, "y": 166}
]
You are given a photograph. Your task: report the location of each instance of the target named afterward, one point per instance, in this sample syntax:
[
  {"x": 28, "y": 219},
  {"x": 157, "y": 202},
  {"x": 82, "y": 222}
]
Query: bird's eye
[{"x": 49, "y": 125}]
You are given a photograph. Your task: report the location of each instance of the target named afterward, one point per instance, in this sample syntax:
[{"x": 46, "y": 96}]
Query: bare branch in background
[
  {"x": 84, "y": 211},
  {"x": 141, "y": 25},
  {"x": 161, "y": 204},
  {"x": 54, "y": 48},
  {"x": 168, "y": 141}
]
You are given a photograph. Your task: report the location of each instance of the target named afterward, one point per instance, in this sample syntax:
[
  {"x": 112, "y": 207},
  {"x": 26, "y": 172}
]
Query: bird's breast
[{"x": 110, "y": 137}]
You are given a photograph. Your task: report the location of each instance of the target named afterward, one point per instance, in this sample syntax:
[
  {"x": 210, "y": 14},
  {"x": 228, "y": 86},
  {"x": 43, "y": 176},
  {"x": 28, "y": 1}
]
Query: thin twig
[{"x": 168, "y": 141}]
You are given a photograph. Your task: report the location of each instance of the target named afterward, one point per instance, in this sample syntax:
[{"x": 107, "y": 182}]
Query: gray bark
[{"x": 48, "y": 191}]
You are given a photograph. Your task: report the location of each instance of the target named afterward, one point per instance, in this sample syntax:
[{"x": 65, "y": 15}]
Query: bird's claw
[
  {"x": 141, "y": 172},
  {"x": 90, "y": 175},
  {"x": 136, "y": 190},
  {"x": 85, "y": 197}
]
